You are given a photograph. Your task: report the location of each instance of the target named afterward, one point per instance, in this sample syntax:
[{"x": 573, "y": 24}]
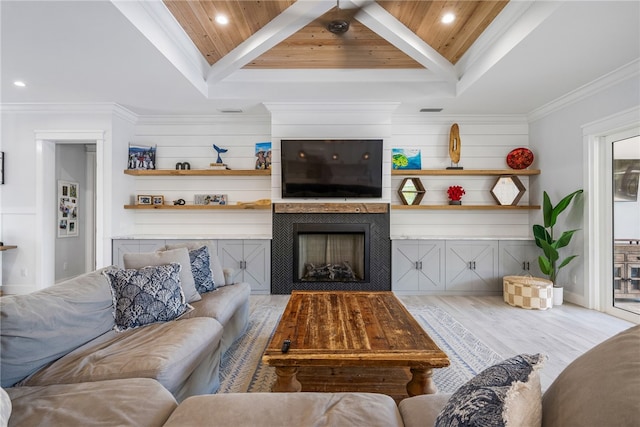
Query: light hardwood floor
[{"x": 562, "y": 332}]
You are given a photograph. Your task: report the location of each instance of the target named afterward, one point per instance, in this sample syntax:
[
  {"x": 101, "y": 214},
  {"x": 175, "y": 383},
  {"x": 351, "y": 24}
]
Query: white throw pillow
[
  {"x": 216, "y": 267},
  {"x": 154, "y": 259}
]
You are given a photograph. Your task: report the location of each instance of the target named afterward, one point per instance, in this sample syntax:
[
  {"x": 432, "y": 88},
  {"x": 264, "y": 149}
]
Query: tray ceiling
[{"x": 313, "y": 46}]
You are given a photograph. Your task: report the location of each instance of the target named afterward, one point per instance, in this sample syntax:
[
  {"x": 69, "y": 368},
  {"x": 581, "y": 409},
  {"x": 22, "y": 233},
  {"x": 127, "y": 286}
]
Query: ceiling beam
[
  {"x": 284, "y": 25},
  {"x": 158, "y": 25},
  {"x": 378, "y": 20}
]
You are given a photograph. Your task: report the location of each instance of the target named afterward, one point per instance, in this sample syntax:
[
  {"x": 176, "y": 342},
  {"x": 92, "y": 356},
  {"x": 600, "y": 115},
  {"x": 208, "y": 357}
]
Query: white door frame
[
  {"x": 46, "y": 197},
  {"x": 599, "y": 210}
]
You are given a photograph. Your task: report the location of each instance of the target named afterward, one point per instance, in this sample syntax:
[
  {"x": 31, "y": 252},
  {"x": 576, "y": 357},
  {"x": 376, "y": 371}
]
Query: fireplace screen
[{"x": 331, "y": 252}]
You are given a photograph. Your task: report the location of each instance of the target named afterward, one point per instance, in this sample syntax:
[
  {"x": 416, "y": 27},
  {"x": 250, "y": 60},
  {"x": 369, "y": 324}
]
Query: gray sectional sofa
[{"x": 62, "y": 364}]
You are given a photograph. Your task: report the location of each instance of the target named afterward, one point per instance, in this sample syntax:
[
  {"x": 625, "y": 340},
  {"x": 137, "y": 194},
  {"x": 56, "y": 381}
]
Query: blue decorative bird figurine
[{"x": 219, "y": 150}]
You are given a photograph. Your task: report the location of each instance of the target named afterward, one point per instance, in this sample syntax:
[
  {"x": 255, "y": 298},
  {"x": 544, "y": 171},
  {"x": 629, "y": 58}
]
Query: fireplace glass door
[{"x": 331, "y": 253}]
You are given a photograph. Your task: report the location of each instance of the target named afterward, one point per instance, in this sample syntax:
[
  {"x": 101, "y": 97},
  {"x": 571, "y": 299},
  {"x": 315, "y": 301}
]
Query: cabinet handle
[
  {"x": 417, "y": 265},
  {"x": 420, "y": 265},
  {"x": 525, "y": 265},
  {"x": 243, "y": 265},
  {"x": 472, "y": 265}
]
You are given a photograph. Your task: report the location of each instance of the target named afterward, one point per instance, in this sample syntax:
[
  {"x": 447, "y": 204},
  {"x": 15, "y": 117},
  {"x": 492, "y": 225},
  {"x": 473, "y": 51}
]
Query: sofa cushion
[
  {"x": 42, "y": 326},
  {"x": 216, "y": 267},
  {"x": 167, "y": 352},
  {"x": 145, "y": 296},
  {"x": 180, "y": 256},
  {"x": 599, "y": 388},
  {"x": 505, "y": 394},
  {"x": 422, "y": 410},
  {"x": 223, "y": 303},
  {"x": 287, "y": 409},
  {"x": 201, "y": 269},
  {"x": 130, "y": 402}
]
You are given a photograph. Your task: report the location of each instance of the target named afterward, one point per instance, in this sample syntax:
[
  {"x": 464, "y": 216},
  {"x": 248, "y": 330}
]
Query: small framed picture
[
  {"x": 158, "y": 200},
  {"x": 145, "y": 200},
  {"x": 210, "y": 199}
]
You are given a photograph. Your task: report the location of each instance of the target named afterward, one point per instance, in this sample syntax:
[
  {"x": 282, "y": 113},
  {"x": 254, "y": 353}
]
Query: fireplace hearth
[{"x": 321, "y": 246}]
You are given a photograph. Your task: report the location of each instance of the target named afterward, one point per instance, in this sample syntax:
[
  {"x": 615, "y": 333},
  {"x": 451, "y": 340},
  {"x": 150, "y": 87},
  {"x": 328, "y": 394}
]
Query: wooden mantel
[{"x": 331, "y": 208}]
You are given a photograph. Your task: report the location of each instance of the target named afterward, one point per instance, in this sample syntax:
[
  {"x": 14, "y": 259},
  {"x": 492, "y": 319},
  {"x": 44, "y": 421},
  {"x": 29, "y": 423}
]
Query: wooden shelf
[
  {"x": 247, "y": 206},
  {"x": 7, "y": 247},
  {"x": 468, "y": 172},
  {"x": 464, "y": 207},
  {"x": 198, "y": 172}
]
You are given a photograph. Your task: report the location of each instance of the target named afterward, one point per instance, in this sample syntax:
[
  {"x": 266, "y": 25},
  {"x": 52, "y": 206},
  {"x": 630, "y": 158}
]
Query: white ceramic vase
[{"x": 558, "y": 295}]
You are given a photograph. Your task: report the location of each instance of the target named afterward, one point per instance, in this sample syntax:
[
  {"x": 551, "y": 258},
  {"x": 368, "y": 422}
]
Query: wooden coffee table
[{"x": 351, "y": 330}]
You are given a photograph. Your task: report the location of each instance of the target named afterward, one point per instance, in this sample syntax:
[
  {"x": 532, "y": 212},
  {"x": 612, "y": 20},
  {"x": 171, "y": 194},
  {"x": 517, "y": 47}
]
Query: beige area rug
[{"x": 242, "y": 370}]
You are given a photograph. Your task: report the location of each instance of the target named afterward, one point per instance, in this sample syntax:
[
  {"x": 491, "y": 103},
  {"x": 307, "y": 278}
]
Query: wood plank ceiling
[{"x": 314, "y": 46}]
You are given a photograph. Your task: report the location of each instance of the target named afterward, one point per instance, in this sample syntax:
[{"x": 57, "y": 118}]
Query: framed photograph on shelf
[
  {"x": 145, "y": 200},
  {"x": 263, "y": 155},
  {"x": 141, "y": 157},
  {"x": 158, "y": 200},
  {"x": 68, "y": 193},
  {"x": 210, "y": 199}
]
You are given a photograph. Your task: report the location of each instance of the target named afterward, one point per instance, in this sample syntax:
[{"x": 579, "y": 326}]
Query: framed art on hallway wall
[{"x": 68, "y": 193}]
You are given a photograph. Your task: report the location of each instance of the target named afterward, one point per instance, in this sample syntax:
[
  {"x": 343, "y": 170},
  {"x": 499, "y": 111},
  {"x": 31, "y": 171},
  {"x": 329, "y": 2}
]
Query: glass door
[{"x": 626, "y": 224}]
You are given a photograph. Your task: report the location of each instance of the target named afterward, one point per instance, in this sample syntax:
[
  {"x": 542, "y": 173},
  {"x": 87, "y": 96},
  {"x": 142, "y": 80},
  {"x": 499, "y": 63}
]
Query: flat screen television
[{"x": 331, "y": 168}]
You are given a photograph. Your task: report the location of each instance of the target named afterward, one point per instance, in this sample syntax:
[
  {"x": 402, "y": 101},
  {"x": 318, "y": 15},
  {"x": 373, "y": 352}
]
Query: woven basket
[{"x": 528, "y": 292}]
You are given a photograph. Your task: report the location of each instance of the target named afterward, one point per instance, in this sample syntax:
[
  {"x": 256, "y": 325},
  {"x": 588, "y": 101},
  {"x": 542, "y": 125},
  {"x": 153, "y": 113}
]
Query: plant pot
[
  {"x": 558, "y": 295},
  {"x": 455, "y": 202}
]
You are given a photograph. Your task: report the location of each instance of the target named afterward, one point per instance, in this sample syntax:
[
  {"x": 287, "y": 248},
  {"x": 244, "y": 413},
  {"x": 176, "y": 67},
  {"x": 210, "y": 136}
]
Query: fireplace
[
  {"x": 331, "y": 252},
  {"x": 330, "y": 247}
]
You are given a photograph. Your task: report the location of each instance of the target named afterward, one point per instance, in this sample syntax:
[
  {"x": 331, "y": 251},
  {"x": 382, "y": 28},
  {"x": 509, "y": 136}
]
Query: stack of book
[{"x": 218, "y": 166}]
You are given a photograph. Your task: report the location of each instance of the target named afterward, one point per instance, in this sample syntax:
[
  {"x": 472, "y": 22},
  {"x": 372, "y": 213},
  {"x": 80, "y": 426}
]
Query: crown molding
[{"x": 626, "y": 72}]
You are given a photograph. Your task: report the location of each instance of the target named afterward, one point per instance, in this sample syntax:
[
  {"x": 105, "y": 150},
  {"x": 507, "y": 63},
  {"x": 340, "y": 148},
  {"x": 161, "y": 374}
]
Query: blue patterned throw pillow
[
  {"x": 503, "y": 395},
  {"x": 201, "y": 269},
  {"x": 147, "y": 295}
]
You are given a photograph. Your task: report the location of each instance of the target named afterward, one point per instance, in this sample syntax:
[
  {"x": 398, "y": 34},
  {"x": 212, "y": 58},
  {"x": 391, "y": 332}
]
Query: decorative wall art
[
  {"x": 406, "y": 158},
  {"x": 158, "y": 200},
  {"x": 625, "y": 179},
  {"x": 142, "y": 157},
  {"x": 263, "y": 155},
  {"x": 68, "y": 193},
  {"x": 210, "y": 199}
]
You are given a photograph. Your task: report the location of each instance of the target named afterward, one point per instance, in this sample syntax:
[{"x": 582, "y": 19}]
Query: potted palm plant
[{"x": 545, "y": 235}]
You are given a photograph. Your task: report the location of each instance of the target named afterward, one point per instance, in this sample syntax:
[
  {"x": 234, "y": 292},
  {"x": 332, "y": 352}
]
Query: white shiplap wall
[
  {"x": 485, "y": 141},
  {"x": 191, "y": 139}
]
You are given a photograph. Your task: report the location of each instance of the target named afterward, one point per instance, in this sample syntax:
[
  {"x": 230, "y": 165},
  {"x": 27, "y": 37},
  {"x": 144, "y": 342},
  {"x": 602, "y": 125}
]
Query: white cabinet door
[
  {"x": 472, "y": 266},
  {"x": 250, "y": 261},
  {"x": 132, "y": 246},
  {"x": 519, "y": 258},
  {"x": 417, "y": 265}
]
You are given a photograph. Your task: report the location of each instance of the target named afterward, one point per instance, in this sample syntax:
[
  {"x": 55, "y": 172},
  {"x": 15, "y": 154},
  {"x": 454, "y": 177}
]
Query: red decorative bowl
[{"x": 519, "y": 158}]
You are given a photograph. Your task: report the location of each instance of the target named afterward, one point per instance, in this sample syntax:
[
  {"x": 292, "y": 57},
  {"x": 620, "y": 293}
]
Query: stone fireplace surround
[{"x": 286, "y": 215}]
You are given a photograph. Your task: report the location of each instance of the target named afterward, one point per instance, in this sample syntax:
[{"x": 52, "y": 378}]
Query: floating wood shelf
[
  {"x": 198, "y": 172},
  {"x": 247, "y": 206},
  {"x": 7, "y": 247},
  {"x": 464, "y": 207},
  {"x": 468, "y": 172}
]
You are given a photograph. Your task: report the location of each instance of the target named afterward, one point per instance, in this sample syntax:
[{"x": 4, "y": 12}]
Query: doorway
[
  {"x": 626, "y": 222},
  {"x": 75, "y": 209},
  {"x": 47, "y": 203},
  {"x": 599, "y": 138}
]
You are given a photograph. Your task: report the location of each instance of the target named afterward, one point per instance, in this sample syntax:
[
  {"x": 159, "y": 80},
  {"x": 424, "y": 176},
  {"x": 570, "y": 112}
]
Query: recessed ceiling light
[
  {"x": 448, "y": 18},
  {"x": 19, "y": 83},
  {"x": 222, "y": 19}
]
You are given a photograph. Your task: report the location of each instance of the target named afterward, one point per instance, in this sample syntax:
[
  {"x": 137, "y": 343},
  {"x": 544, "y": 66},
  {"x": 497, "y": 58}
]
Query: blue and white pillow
[
  {"x": 507, "y": 394},
  {"x": 147, "y": 295},
  {"x": 201, "y": 269}
]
